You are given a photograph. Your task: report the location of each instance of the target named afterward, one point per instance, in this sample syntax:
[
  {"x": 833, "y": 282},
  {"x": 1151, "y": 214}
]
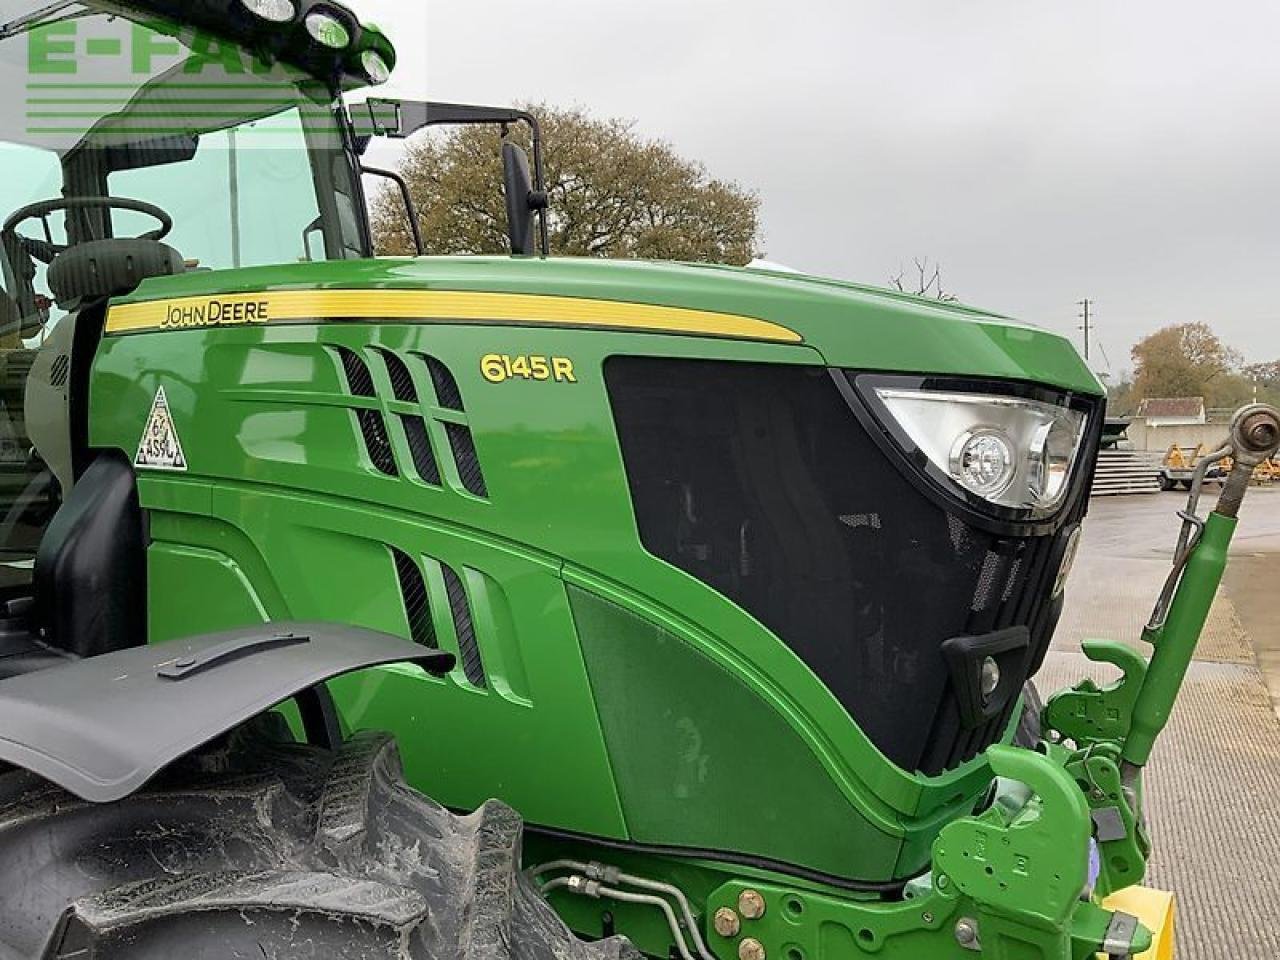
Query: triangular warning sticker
[{"x": 160, "y": 448}]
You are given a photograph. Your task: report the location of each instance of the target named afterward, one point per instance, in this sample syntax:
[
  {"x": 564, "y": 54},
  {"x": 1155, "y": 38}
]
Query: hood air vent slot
[
  {"x": 413, "y": 593},
  {"x": 464, "y": 453},
  {"x": 447, "y": 393},
  {"x": 359, "y": 380},
  {"x": 372, "y": 426},
  {"x": 417, "y": 428},
  {"x": 401, "y": 379},
  {"x": 464, "y": 627},
  {"x": 424, "y": 459},
  {"x": 378, "y": 445}
]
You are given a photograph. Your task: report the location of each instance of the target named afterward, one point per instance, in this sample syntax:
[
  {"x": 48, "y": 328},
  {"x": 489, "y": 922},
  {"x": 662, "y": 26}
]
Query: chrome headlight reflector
[
  {"x": 375, "y": 67},
  {"x": 328, "y": 29},
  {"x": 1013, "y": 452},
  {"x": 272, "y": 11}
]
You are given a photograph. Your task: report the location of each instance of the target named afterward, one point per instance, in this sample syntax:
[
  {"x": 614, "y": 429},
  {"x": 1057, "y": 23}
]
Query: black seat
[
  {"x": 91, "y": 570},
  {"x": 20, "y": 652}
]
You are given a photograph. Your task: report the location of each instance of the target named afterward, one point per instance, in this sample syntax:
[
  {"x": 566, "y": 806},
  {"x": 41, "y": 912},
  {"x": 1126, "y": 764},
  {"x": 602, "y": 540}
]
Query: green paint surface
[{"x": 283, "y": 513}]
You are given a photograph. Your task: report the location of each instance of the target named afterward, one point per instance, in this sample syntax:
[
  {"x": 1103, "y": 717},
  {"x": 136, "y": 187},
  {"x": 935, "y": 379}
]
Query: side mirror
[
  {"x": 523, "y": 202},
  {"x": 525, "y": 194}
]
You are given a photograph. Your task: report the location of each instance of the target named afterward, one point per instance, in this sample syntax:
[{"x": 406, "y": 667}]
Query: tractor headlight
[
  {"x": 328, "y": 29},
  {"x": 1014, "y": 452},
  {"x": 375, "y": 67},
  {"x": 273, "y": 11}
]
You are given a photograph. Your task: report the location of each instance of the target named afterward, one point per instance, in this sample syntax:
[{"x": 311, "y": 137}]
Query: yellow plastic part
[
  {"x": 1182, "y": 458},
  {"x": 1155, "y": 909}
]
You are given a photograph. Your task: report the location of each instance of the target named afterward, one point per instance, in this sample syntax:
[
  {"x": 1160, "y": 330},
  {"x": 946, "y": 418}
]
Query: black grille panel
[
  {"x": 413, "y": 593},
  {"x": 464, "y": 627},
  {"x": 464, "y": 454},
  {"x": 1017, "y": 577},
  {"x": 373, "y": 424},
  {"x": 760, "y": 481}
]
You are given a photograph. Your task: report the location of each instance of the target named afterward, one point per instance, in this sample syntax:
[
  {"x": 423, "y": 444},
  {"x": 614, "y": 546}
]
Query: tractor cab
[
  {"x": 731, "y": 583},
  {"x": 140, "y": 147},
  {"x": 150, "y": 147}
]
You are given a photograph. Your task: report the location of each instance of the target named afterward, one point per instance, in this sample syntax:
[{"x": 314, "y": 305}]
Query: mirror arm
[
  {"x": 316, "y": 225},
  {"x": 400, "y": 119},
  {"x": 539, "y": 184},
  {"x": 411, "y": 208}
]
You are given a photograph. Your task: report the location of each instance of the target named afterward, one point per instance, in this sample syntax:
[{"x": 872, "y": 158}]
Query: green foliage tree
[
  {"x": 613, "y": 193},
  {"x": 1188, "y": 360}
]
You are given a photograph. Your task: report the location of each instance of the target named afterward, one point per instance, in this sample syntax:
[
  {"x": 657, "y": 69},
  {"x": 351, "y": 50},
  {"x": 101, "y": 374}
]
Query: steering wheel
[{"x": 46, "y": 250}]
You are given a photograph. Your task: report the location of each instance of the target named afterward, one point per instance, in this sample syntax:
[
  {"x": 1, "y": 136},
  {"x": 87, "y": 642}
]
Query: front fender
[{"x": 103, "y": 726}]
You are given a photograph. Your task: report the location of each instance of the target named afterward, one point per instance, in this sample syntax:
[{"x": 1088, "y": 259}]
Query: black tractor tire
[
  {"x": 1028, "y": 732},
  {"x": 257, "y": 847}
]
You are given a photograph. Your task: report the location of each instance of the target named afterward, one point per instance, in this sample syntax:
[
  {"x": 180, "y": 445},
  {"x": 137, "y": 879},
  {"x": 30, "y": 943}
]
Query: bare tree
[{"x": 927, "y": 282}]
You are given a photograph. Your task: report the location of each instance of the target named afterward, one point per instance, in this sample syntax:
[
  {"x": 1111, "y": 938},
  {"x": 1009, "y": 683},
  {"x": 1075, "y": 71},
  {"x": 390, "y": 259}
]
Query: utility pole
[{"x": 1086, "y": 303}]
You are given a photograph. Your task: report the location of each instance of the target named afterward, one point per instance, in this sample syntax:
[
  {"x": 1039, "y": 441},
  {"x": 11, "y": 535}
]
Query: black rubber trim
[
  {"x": 84, "y": 347},
  {"x": 889, "y": 887},
  {"x": 319, "y": 717}
]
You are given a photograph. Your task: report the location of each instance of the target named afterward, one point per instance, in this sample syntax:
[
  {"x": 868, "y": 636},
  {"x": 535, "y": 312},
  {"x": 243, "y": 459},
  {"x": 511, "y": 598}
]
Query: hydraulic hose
[
  {"x": 593, "y": 888},
  {"x": 612, "y": 875}
]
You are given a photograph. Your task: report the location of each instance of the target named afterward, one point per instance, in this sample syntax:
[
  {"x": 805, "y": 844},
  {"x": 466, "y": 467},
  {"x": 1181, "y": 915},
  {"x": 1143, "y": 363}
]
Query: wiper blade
[{"x": 37, "y": 18}]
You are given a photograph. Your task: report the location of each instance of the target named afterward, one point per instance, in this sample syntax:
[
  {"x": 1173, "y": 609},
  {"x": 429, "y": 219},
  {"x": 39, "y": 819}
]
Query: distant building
[
  {"x": 1172, "y": 412},
  {"x": 1162, "y": 422}
]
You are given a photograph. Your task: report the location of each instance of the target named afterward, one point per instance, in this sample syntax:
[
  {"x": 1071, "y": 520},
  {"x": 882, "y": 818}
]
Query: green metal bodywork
[
  {"x": 632, "y": 714},
  {"x": 841, "y": 323},
  {"x": 628, "y": 708},
  {"x": 281, "y": 515}
]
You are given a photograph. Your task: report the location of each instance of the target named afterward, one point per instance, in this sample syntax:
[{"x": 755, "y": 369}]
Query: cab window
[{"x": 28, "y": 493}]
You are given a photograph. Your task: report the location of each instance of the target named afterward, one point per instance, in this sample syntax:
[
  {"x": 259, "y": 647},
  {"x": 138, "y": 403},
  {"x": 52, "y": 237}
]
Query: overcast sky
[{"x": 1122, "y": 150}]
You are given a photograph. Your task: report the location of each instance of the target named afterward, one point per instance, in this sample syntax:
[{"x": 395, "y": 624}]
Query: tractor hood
[
  {"x": 673, "y": 457},
  {"x": 847, "y": 324}
]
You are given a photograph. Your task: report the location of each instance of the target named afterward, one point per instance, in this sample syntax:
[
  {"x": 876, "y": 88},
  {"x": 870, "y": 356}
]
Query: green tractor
[{"x": 729, "y": 584}]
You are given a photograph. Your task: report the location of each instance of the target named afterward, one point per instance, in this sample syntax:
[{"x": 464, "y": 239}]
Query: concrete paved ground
[{"x": 1214, "y": 781}]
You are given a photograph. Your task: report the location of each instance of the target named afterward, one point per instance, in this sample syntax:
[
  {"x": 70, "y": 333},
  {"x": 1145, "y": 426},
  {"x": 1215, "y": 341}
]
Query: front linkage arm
[
  {"x": 1176, "y": 623},
  {"x": 1132, "y": 712},
  {"x": 1114, "y": 728}
]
